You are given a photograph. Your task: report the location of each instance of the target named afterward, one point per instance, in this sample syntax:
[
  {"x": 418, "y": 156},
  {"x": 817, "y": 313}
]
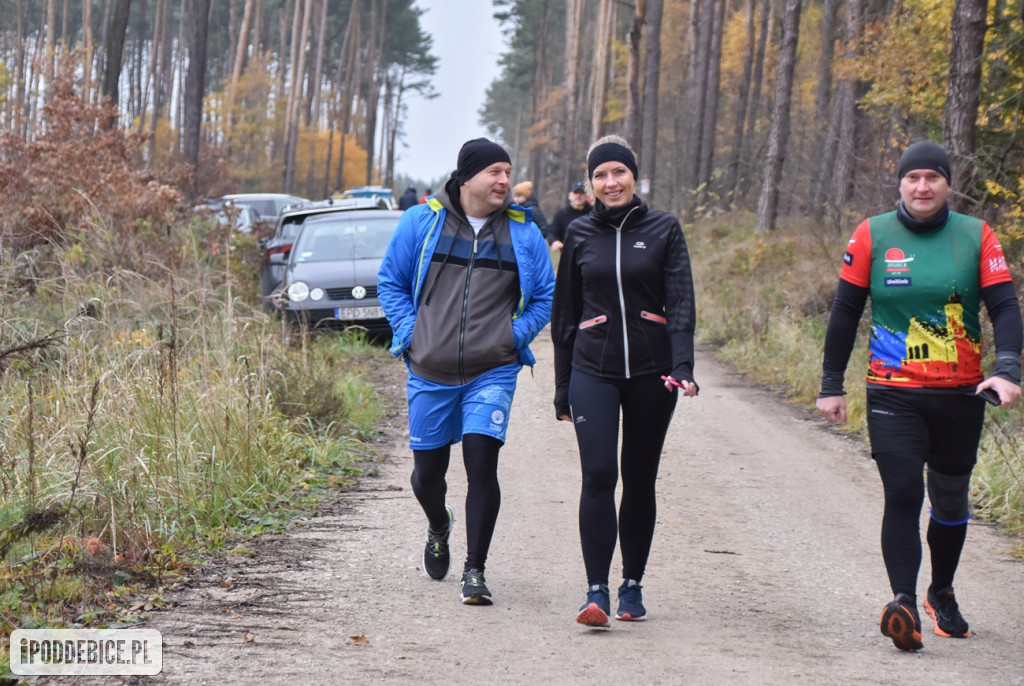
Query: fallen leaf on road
[{"x": 360, "y": 640}]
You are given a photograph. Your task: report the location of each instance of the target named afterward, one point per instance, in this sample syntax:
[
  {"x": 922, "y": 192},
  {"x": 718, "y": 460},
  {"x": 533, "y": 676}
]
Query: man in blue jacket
[{"x": 466, "y": 285}]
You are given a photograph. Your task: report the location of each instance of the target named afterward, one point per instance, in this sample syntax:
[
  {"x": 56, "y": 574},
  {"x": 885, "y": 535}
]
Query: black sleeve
[
  {"x": 841, "y": 335},
  {"x": 556, "y": 229},
  {"x": 565, "y": 316},
  {"x": 1007, "y": 328}
]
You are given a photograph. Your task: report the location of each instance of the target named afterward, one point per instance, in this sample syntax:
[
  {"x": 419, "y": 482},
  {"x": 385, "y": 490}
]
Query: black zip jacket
[{"x": 624, "y": 303}]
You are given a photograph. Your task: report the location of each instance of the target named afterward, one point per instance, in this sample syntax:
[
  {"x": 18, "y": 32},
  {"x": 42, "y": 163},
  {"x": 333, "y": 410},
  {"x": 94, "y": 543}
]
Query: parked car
[
  {"x": 277, "y": 247},
  {"x": 330, "y": 281},
  {"x": 241, "y": 218},
  {"x": 381, "y": 192},
  {"x": 268, "y": 205}
]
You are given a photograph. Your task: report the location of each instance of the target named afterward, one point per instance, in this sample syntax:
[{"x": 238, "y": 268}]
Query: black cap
[
  {"x": 476, "y": 155},
  {"x": 578, "y": 187},
  {"x": 925, "y": 155}
]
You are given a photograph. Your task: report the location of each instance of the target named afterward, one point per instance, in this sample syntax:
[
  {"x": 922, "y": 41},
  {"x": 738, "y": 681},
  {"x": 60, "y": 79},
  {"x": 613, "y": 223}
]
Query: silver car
[{"x": 330, "y": 281}]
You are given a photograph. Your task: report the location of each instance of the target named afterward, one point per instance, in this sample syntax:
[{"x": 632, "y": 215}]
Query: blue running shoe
[
  {"x": 597, "y": 608},
  {"x": 436, "y": 557},
  {"x": 631, "y": 602}
]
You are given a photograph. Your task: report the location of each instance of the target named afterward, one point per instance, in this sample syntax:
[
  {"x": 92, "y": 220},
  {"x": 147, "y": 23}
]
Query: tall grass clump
[{"x": 763, "y": 304}]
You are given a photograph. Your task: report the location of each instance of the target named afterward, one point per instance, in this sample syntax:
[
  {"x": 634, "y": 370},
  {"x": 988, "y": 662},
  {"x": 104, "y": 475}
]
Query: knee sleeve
[{"x": 948, "y": 496}]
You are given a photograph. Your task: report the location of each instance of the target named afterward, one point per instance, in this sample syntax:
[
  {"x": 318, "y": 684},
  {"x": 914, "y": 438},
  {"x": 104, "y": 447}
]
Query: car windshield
[{"x": 344, "y": 239}]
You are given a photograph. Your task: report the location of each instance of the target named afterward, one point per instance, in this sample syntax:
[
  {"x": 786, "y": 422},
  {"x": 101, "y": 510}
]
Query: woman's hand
[{"x": 687, "y": 388}]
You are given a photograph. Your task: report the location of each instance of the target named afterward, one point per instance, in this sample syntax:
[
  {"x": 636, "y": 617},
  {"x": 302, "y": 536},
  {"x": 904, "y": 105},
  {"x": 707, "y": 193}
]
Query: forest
[{"x": 778, "y": 107}]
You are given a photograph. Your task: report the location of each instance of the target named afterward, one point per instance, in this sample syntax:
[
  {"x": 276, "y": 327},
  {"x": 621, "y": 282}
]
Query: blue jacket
[{"x": 406, "y": 263}]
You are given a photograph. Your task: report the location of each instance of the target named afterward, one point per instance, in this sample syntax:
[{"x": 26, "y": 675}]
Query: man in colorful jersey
[
  {"x": 466, "y": 284},
  {"x": 927, "y": 270}
]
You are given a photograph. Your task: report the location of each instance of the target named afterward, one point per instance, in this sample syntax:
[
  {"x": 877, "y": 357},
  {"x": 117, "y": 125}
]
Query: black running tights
[
  {"x": 646, "y": 409},
  {"x": 483, "y": 496}
]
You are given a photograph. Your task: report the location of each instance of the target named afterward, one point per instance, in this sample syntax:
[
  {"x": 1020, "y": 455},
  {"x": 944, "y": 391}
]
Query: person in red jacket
[{"x": 927, "y": 270}]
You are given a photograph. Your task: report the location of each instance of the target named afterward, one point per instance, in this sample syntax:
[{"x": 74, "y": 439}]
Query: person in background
[
  {"x": 927, "y": 271},
  {"x": 426, "y": 194},
  {"x": 575, "y": 208},
  {"x": 408, "y": 198},
  {"x": 622, "y": 327},
  {"x": 466, "y": 284},
  {"x": 522, "y": 195}
]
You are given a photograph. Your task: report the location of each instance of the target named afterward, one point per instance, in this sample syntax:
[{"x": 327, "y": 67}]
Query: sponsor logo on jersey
[
  {"x": 848, "y": 259},
  {"x": 997, "y": 264},
  {"x": 897, "y": 261},
  {"x": 898, "y": 281},
  {"x": 640, "y": 245}
]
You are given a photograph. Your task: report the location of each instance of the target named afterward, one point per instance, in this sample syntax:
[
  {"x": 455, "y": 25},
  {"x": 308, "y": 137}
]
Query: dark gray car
[{"x": 330, "y": 281}]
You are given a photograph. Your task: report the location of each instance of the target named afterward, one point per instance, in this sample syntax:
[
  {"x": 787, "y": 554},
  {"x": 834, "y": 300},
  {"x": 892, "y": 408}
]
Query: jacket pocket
[
  {"x": 644, "y": 314},
  {"x": 600, "y": 319}
]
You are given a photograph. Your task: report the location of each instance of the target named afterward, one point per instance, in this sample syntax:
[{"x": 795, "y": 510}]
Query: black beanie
[
  {"x": 925, "y": 155},
  {"x": 611, "y": 152},
  {"x": 475, "y": 156}
]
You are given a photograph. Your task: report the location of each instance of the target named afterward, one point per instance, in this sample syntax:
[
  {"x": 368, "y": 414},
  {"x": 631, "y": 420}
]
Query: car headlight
[
  {"x": 316, "y": 294},
  {"x": 298, "y": 291}
]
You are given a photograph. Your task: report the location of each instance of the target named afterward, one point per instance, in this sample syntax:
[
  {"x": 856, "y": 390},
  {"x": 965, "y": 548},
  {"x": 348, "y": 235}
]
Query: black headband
[{"x": 611, "y": 152}]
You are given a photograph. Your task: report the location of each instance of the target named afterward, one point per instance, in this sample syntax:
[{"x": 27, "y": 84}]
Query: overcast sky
[{"x": 467, "y": 43}]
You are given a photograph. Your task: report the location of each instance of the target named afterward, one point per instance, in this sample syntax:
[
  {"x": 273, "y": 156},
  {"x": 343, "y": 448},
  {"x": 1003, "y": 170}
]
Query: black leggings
[
  {"x": 908, "y": 431},
  {"x": 483, "y": 495},
  {"x": 646, "y": 412}
]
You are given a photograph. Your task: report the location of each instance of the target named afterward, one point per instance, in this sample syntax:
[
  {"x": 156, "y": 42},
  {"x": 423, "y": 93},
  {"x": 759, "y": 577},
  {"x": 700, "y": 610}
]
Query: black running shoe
[
  {"x": 597, "y": 608},
  {"x": 474, "y": 591},
  {"x": 631, "y": 603},
  {"x": 942, "y": 607},
  {"x": 436, "y": 557},
  {"x": 902, "y": 624}
]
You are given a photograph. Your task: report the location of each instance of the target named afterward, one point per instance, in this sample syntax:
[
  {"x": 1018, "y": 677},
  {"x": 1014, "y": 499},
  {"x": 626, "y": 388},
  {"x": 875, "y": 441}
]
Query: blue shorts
[{"x": 440, "y": 414}]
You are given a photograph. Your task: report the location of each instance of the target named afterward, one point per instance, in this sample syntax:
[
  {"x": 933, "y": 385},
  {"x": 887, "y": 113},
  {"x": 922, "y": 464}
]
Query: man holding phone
[{"x": 927, "y": 270}]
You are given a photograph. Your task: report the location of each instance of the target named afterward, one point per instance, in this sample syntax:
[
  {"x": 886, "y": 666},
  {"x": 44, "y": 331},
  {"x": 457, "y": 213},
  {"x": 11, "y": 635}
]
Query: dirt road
[{"x": 765, "y": 570}]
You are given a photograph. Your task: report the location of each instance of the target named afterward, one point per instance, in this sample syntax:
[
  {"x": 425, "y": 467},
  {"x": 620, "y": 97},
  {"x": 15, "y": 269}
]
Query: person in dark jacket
[
  {"x": 623, "y": 325},
  {"x": 927, "y": 270},
  {"x": 466, "y": 284},
  {"x": 408, "y": 198},
  {"x": 576, "y": 207},
  {"x": 522, "y": 195}
]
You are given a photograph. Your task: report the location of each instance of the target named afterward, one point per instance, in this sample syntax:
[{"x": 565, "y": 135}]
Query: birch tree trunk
[
  {"x": 964, "y": 96},
  {"x": 778, "y": 139}
]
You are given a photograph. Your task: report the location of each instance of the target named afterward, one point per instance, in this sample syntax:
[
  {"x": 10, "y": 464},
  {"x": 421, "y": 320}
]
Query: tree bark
[
  {"x": 740, "y": 111},
  {"x": 295, "y": 95},
  {"x": 713, "y": 86},
  {"x": 778, "y": 138},
  {"x": 195, "y": 81},
  {"x": 573, "y": 24},
  {"x": 633, "y": 104},
  {"x": 598, "y": 81},
  {"x": 237, "y": 65},
  {"x": 747, "y": 167},
  {"x": 964, "y": 96},
  {"x": 652, "y": 82},
  {"x": 114, "y": 49}
]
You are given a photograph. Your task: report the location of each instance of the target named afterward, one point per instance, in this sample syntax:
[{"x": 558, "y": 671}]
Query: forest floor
[{"x": 765, "y": 569}]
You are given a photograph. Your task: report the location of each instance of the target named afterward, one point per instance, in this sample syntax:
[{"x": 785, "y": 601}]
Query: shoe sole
[
  {"x": 630, "y": 618},
  {"x": 939, "y": 631},
  {"x": 477, "y": 600},
  {"x": 898, "y": 624},
  {"x": 592, "y": 615}
]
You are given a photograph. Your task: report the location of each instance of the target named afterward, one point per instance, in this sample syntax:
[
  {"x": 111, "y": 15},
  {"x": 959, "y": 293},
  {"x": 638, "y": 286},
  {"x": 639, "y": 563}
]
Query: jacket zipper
[
  {"x": 465, "y": 312},
  {"x": 622, "y": 295}
]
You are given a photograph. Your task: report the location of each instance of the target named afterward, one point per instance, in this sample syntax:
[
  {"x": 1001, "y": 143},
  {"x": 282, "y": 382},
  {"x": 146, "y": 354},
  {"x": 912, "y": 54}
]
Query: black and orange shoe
[
  {"x": 941, "y": 606},
  {"x": 901, "y": 622}
]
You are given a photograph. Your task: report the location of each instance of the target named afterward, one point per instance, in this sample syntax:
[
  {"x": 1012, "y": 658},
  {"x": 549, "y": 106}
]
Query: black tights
[
  {"x": 903, "y": 483},
  {"x": 646, "y": 412},
  {"x": 483, "y": 495}
]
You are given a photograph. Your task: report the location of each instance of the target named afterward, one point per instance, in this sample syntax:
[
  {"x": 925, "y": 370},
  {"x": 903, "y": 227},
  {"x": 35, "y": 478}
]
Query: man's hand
[
  {"x": 833, "y": 409},
  {"x": 1008, "y": 391}
]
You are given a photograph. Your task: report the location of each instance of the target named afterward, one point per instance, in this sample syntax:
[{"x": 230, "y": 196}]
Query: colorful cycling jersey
[{"x": 925, "y": 298}]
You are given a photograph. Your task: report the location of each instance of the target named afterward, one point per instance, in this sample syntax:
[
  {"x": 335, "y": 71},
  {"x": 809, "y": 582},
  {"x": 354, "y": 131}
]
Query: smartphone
[
  {"x": 990, "y": 396},
  {"x": 671, "y": 381}
]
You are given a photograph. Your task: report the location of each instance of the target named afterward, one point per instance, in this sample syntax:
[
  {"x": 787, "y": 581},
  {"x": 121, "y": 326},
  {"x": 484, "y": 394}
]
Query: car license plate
[{"x": 349, "y": 313}]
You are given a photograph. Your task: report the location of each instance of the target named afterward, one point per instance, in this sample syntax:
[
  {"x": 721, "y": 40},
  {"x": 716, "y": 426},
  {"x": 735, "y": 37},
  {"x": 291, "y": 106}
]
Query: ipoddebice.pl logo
[{"x": 86, "y": 651}]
